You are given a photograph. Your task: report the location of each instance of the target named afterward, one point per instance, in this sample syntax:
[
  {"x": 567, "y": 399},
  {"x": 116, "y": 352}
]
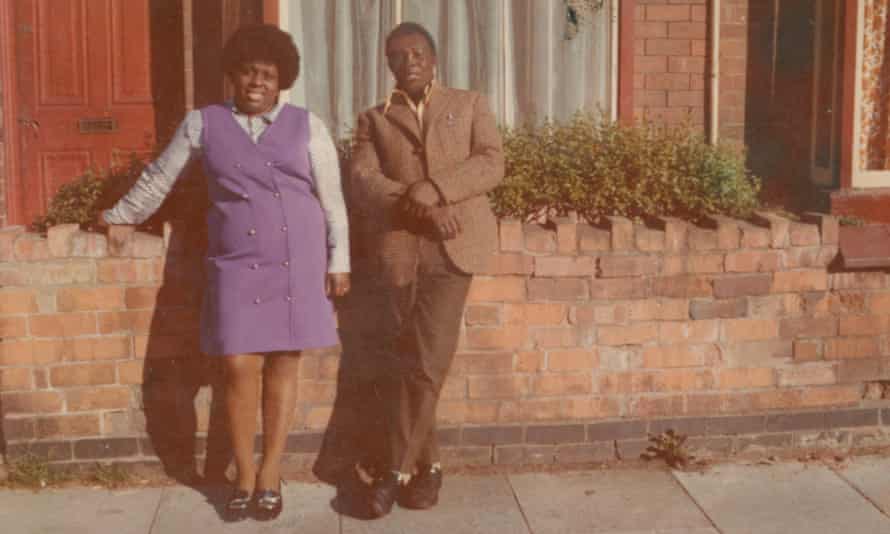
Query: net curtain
[{"x": 514, "y": 51}]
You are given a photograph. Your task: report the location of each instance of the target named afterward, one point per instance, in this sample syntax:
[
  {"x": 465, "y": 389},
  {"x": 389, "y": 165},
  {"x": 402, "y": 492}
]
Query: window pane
[
  {"x": 343, "y": 70},
  {"x": 875, "y": 89},
  {"x": 514, "y": 51},
  {"x": 557, "y": 75},
  {"x": 469, "y": 37}
]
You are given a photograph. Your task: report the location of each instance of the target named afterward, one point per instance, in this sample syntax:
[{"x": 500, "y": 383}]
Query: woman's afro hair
[{"x": 263, "y": 42}]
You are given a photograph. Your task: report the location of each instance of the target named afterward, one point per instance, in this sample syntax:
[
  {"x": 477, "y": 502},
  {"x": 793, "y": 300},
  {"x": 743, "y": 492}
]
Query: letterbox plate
[{"x": 97, "y": 125}]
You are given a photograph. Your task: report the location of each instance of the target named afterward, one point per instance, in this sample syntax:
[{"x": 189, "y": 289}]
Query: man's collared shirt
[{"x": 418, "y": 107}]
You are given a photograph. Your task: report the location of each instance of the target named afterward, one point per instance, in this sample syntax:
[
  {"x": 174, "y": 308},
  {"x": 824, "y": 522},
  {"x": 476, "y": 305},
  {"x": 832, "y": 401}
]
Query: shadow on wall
[
  {"x": 182, "y": 391},
  {"x": 3, "y": 457},
  {"x": 355, "y": 430}
]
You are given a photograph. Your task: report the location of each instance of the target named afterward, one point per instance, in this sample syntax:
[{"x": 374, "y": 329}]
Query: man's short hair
[
  {"x": 411, "y": 28},
  {"x": 263, "y": 42}
]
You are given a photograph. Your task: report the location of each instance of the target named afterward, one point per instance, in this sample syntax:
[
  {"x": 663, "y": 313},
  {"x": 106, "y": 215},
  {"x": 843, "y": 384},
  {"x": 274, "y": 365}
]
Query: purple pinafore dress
[{"x": 267, "y": 245}]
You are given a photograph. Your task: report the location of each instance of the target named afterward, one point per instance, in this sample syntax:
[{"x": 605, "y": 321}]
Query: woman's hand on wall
[{"x": 100, "y": 222}]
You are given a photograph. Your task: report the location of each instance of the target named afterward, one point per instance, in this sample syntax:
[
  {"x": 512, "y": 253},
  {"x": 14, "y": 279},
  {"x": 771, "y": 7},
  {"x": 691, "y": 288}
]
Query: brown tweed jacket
[{"x": 459, "y": 150}]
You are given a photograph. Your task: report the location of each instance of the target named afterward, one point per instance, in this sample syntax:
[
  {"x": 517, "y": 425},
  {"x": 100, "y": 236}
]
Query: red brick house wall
[
  {"x": 671, "y": 55},
  {"x": 673, "y": 63},
  {"x": 3, "y": 141}
]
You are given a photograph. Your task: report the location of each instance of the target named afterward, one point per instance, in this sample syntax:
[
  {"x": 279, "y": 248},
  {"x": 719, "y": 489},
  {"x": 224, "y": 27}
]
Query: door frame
[
  {"x": 853, "y": 176},
  {"x": 821, "y": 176},
  {"x": 10, "y": 122}
]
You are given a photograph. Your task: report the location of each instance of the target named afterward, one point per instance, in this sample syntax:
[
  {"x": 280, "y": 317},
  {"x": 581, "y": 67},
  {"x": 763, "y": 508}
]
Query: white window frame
[{"x": 862, "y": 178}]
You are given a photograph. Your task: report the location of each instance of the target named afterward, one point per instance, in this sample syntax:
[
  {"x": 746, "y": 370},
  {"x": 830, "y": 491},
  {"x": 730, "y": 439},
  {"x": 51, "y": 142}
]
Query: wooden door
[{"x": 83, "y": 93}]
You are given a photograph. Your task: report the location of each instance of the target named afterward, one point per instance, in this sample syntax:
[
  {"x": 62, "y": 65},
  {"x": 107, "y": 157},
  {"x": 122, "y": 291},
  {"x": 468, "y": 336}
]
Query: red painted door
[{"x": 83, "y": 92}]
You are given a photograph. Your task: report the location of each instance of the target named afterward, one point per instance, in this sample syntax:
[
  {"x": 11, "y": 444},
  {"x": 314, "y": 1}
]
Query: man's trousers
[{"x": 421, "y": 325}]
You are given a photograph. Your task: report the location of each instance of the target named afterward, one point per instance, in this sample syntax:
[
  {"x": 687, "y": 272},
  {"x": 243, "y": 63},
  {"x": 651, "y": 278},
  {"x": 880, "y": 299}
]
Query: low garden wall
[{"x": 577, "y": 341}]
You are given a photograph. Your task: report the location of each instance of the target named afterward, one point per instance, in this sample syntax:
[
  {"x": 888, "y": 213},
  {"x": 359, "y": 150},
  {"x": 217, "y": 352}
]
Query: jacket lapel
[
  {"x": 402, "y": 116},
  {"x": 439, "y": 103}
]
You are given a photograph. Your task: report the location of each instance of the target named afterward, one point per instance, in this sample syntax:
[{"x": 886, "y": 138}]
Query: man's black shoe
[
  {"x": 383, "y": 494},
  {"x": 423, "y": 490}
]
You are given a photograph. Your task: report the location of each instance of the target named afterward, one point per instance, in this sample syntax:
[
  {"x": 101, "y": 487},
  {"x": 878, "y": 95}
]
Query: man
[{"x": 421, "y": 167}]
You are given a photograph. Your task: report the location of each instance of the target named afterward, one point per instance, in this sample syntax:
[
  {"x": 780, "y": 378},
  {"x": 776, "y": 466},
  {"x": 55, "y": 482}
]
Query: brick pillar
[
  {"x": 670, "y": 61},
  {"x": 733, "y": 69},
  {"x": 3, "y": 144}
]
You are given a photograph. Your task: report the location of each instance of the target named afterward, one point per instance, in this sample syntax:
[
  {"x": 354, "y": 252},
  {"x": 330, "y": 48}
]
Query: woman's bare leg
[
  {"x": 279, "y": 402},
  {"x": 242, "y": 391}
]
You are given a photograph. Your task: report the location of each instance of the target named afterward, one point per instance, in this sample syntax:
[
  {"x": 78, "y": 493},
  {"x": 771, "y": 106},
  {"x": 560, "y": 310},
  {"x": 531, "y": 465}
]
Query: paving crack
[
  {"x": 154, "y": 519},
  {"x": 855, "y": 488},
  {"x": 695, "y": 501},
  {"x": 519, "y": 504}
]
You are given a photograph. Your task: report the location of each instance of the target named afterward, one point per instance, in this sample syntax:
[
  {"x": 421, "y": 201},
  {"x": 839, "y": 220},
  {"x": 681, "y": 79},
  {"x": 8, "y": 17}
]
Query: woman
[{"x": 277, "y": 245}]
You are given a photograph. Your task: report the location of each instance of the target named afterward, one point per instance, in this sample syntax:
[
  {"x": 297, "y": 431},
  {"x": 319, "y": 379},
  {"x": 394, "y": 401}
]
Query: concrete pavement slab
[
  {"x": 78, "y": 511},
  {"x": 781, "y": 499},
  {"x": 467, "y": 505},
  {"x": 187, "y": 510},
  {"x": 707, "y": 530},
  {"x": 617, "y": 501},
  {"x": 871, "y": 476}
]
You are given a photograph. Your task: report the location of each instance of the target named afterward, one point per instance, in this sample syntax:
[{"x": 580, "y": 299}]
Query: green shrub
[
  {"x": 79, "y": 201},
  {"x": 597, "y": 167},
  {"x": 588, "y": 165}
]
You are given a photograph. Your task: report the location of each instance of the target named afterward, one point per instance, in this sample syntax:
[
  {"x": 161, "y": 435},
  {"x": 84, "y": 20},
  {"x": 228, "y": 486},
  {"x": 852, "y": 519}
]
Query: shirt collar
[
  {"x": 267, "y": 117},
  {"x": 415, "y": 107}
]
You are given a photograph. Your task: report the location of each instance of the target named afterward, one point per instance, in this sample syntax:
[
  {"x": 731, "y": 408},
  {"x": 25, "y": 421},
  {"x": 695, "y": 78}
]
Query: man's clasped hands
[{"x": 423, "y": 202}]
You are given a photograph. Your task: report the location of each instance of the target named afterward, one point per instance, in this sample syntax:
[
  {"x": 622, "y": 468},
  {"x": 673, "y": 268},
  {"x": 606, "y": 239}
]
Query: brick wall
[
  {"x": 577, "y": 340},
  {"x": 671, "y": 60},
  {"x": 734, "y": 21},
  {"x": 4, "y": 174}
]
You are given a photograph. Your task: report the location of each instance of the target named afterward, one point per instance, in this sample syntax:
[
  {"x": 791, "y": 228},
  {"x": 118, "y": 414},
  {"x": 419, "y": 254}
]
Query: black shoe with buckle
[
  {"x": 268, "y": 504},
  {"x": 383, "y": 494},
  {"x": 422, "y": 491},
  {"x": 238, "y": 506}
]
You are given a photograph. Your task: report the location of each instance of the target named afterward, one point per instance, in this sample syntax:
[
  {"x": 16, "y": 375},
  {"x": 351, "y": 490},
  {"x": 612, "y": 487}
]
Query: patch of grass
[
  {"x": 35, "y": 472},
  {"x": 669, "y": 446},
  {"x": 850, "y": 220},
  {"x": 110, "y": 475}
]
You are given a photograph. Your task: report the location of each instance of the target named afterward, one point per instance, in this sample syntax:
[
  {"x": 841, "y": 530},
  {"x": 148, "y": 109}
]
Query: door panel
[
  {"x": 83, "y": 91},
  {"x": 61, "y": 53},
  {"x": 131, "y": 53}
]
